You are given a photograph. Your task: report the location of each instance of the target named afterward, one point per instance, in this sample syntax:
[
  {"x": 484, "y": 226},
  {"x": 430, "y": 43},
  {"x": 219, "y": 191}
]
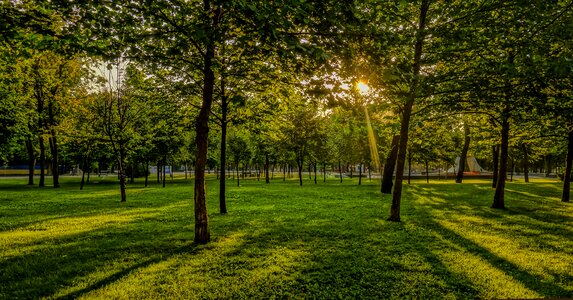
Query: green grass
[{"x": 279, "y": 240}]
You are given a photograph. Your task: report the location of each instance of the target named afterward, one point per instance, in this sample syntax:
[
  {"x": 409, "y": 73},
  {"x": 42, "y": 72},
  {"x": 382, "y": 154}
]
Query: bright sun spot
[{"x": 362, "y": 87}]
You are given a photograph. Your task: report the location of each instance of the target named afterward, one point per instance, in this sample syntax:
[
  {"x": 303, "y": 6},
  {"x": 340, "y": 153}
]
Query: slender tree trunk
[
  {"x": 548, "y": 167},
  {"x": 267, "y": 177},
  {"x": 360, "y": 174},
  {"x": 499, "y": 199},
  {"x": 238, "y": 176},
  {"x": 427, "y": 172},
  {"x": 351, "y": 167},
  {"x": 464, "y": 154},
  {"x": 83, "y": 175},
  {"x": 495, "y": 155},
  {"x": 158, "y": 172},
  {"x": 525, "y": 163},
  {"x": 55, "y": 163},
  {"x": 407, "y": 113},
  {"x": 146, "y": 172},
  {"x": 284, "y": 172},
  {"x": 314, "y": 173},
  {"x": 31, "y": 160},
  {"x": 409, "y": 166},
  {"x": 300, "y": 164},
  {"x": 324, "y": 172},
  {"x": 163, "y": 173},
  {"x": 309, "y": 172},
  {"x": 202, "y": 234},
  {"x": 223, "y": 157},
  {"x": 340, "y": 170},
  {"x": 42, "y": 161},
  {"x": 568, "y": 166},
  {"x": 390, "y": 166}
]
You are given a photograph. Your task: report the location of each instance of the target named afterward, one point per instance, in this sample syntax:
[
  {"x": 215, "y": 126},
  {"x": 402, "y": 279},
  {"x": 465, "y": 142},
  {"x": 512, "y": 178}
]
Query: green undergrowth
[{"x": 279, "y": 240}]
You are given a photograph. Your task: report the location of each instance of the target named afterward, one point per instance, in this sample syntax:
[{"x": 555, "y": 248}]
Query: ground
[{"x": 280, "y": 240}]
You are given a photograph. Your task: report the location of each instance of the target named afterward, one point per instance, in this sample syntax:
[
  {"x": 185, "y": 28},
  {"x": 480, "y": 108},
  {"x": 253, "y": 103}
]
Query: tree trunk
[
  {"x": 495, "y": 156},
  {"x": 267, "y": 177},
  {"x": 146, "y": 172},
  {"x": 568, "y": 166},
  {"x": 202, "y": 234},
  {"x": 284, "y": 172},
  {"x": 163, "y": 172},
  {"x": 299, "y": 162},
  {"x": 360, "y": 174},
  {"x": 464, "y": 154},
  {"x": 407, "y": 113},
  {"x": 525, "y": 163},
  {"x": 158, "y": 172},
  {"x": 31, "y": 160},
  {"x": 390, "y": 166},
  {"x": 223, "y": 157},
  {"x": 548, "y": 167},
  {"x": 314, "y": 173},
  {"x": 499, "y": 199},
  {"x": 238, "y": 176},
  {"x": 55, "y": 164},
  {"x": 324, "y": 172},
  {"x": 340, "y": 170},
  {"x": 83, "y": 174},
  {"x": 409, "y": 166},
  {"x": 427, "y": 172},
  {"x": 309, "y": 171},
  {"x": 42, "y": 161}
]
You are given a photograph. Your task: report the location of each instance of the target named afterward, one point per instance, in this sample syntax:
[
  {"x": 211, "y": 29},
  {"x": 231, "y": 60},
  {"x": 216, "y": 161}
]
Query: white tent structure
[{"x": 471, "y": 163}]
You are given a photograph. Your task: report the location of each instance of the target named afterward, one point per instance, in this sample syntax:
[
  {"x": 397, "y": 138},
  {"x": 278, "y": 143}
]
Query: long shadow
[
  {"x": 531, "y": 281},
  {"x": 116, "y": 276}
]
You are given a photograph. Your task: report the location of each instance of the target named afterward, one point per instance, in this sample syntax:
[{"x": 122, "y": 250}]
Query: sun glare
[{"x": 362, "y": 87}]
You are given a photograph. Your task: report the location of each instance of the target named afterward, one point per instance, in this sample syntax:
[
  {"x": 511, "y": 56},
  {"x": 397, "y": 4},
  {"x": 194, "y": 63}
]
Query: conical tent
[{"x": 473, "y": 165}]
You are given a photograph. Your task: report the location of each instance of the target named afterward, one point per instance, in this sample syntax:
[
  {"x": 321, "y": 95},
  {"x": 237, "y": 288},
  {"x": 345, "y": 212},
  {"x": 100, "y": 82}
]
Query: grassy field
[{"x": 324, "y": 241}]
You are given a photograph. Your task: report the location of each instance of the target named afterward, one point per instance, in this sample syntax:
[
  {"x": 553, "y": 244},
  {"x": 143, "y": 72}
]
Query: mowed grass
[{"x": 323, "y": 241}]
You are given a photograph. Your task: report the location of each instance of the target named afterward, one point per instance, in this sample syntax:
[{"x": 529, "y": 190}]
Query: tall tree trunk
[
  {"x": 299, "y": 162},
  {"x": 238, "y": 176},
  {"x": 83, "y": 174},
  {"x": 568, "y": 166},
  {"x": 407, "y": 113},
  {"x": 360, "y": 174},
  {"x": 158, "y": 172},
  {"x": 267, "y": 177},
  {"x": 223, "y": 157},
  {"x": 55, "y": 164},
  {"x": 323, "y": 172},
  {"x": 464, "y": 154},
  {"x": 499, "y": 199},
  {"x": 548, "y": 167},
  {"x": 42, "y": 160},
  {"x": 340, "y": 170},
  {"x": 146, "y": 172},
  {"x": 309, "y": 171},
  {"x": 284, "y": 172},
  {"x": 525, "y": 162},
  {"x": 409, "y": 166},
  {"x": 314, "y": 173},
  {"x": 495, "y": 156},
  {"x": 427, "y": 172},
  {"x": 202, "y": 234},
  {"x": 163, "y": 173},
  {"x": 31, "y": 160},
  {"x": 390, "y": 166}
]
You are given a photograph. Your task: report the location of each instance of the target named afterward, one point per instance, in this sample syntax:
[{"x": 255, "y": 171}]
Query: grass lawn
[{"x": 324, "y": 241}]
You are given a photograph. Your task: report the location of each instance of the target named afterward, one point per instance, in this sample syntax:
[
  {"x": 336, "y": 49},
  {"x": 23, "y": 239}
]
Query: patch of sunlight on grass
[
  {"x": 224, "y": 269},
  {"x": 12, "y": 242},
  {"x": 490, "y": 281},
  {"x": 515, "y": 244}
]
